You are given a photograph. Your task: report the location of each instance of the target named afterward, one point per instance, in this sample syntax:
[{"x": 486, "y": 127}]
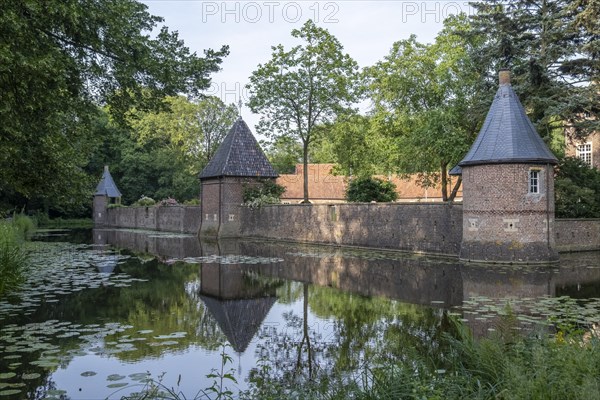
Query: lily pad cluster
[
  {"x": 559, "y": 313},
  {"x": 228, "y": 259},
  {"x": 58, "y": 269}
]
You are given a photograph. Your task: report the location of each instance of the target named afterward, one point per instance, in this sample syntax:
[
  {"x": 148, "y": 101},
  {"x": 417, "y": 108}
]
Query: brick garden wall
[
  {"x": 429, "y": 228},
  {"x": 577, "y": 234},
  {"x": 185, "y": 219}
]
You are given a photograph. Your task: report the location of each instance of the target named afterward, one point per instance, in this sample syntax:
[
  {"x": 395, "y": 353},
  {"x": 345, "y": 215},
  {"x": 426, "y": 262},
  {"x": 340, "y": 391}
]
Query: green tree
[
  {"x": 283, "y": 153},
  {"x": 58, "y": 62},
  {"x": 297, "y": 89},
  {"x": 358, "y": 147},
  {"x": 552, "y": 48},
  {"x": 577, "y": 188},
  {"x": 193, "y": 129},
  {"x": 426, "y": 99}
]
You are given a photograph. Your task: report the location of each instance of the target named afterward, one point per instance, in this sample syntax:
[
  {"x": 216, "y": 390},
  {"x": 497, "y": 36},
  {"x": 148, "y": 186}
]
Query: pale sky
[{"x": 366, "y": 29}]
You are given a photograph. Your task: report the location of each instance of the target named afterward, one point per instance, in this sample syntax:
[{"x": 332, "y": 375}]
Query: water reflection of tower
[{"x": 238, "y": 303}]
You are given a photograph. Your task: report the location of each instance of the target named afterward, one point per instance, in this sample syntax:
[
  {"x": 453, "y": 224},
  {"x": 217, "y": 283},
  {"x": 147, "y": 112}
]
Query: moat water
[{"x": 103, "y": 311}]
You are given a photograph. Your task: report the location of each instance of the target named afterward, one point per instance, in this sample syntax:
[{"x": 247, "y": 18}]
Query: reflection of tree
[
  {"x": 366, "y": 331},
  {"x": 161, "y": 305},
  {"x": 305, "y": 339}
]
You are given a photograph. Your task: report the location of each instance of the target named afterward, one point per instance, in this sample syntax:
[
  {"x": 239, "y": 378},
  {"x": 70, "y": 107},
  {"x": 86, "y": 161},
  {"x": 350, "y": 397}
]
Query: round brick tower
[{"x": 508, "y": 188}]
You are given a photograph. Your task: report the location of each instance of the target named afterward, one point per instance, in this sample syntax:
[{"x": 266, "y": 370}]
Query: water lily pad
[
  {"x": 56, "y": 392},
  {"x": 139, "y": 376},
  {"x": 115, "y": 377},
  {"x": 7, "y": 375},
  {"x": 33, "y": 375},
  {"x": 117, "y": 385},
  {"x": 88, "y": 373},
  {"x": 9, "y": 392}
]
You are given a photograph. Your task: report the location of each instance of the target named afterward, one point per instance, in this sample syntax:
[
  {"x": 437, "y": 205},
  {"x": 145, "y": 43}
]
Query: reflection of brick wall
[{"x": 323, "y": 186}]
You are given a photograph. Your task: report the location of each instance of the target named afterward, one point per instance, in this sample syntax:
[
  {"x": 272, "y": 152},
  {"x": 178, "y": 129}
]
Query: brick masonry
[
  {"x": 184, "y": 219},
  {"x": 502, "y": 221},
  {"x": 426, "y": 228}
]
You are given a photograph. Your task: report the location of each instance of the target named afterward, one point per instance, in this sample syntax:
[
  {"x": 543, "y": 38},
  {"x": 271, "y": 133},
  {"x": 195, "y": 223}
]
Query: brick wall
[
  {"x": 501, "y": 220},
  {"x": 430, "y": 228},
  {"x": 185, "y": 219},
  {"x": 594, "y": 139},
  {"x": 577, "y": 234}
]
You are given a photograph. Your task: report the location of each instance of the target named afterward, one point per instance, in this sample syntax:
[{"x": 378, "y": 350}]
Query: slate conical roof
[
  {"x": 239, "y": 155},
  {"x": 239, "y": 320},
  {"x": 107, "y": 186},
  {"x": 507, "y": 135}
]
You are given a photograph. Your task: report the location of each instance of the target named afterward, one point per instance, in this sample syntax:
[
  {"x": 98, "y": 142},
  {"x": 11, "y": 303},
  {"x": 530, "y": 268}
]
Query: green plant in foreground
[
  {"x": 155, "y": 389},
  {"x": 12, "y": 257}
]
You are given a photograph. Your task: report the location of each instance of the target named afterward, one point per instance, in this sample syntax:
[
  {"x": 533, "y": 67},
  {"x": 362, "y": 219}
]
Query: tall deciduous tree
[
  {"x": 553, "y": 50},
  {"x": 425, "y": 99},
  {"x": 59, "y": 60},
  {"x": 311, "y": 83}
]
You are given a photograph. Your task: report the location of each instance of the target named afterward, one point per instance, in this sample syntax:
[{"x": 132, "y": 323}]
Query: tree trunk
[
  {"x": 444, "y": 166},
  {"x": 305, "y": 161},
  {"x": 455, "y": 188}
]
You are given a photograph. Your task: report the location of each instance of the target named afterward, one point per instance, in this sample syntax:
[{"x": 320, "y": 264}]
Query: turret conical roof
[
  {"x": 239, "y": 155},
  {"x": 107, "y": 186},
  {"x": 507, "y": 135}
]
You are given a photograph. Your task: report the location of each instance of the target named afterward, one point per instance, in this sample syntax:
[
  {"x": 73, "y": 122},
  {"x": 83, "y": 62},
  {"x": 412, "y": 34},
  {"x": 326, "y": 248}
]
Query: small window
[
  {"x": 584, "y": 153},
  {"x": 534, "y": 181}
]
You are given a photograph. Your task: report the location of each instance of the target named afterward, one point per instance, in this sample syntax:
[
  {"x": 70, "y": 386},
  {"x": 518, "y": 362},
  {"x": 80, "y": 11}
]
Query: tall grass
[
  {"x": 535, "y": 367},
  {"x": 13, "y": 258},
  {"x": 25, "y": 225}
]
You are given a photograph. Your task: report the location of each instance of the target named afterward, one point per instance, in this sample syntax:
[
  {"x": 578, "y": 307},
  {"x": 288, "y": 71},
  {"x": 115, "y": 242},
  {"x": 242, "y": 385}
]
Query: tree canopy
[
  {"x": 59, "y": 61},
  {"x": 552, "y": 48},
  {"x": 426, "y": 99},
  {"x": 310, "y": 84}
]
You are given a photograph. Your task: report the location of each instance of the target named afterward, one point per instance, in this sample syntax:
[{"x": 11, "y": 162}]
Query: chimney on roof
[{"x": 504, "y": 76}]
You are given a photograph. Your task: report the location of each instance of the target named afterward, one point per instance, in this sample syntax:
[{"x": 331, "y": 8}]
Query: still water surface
[{"x": 103, "y": 309}]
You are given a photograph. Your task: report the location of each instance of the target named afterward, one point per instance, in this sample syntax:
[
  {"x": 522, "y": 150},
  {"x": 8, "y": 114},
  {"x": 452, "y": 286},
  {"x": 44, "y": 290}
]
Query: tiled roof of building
[
  {"x": 107, "y": 186},
  {"x": 507, "y": 135},
  {"x": 239, "y": 155}
]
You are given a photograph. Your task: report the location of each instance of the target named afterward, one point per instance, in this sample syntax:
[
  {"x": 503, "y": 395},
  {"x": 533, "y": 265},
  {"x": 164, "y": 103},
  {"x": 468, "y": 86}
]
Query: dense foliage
[
  {"x": 310, "y": 84},
  {"x": 553, "y": 50},
  {"x": 60, "y": 61},
  {"x": 428, "y": 101},
  {"x": 367, "y": 189},
  {"x": 577, "y": 188},
  {"x": 266, "y": 191}
]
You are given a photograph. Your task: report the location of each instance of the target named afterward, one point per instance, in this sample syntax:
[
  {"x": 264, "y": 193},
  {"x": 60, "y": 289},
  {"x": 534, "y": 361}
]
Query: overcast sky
[{"x": 366, "y": 29}]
